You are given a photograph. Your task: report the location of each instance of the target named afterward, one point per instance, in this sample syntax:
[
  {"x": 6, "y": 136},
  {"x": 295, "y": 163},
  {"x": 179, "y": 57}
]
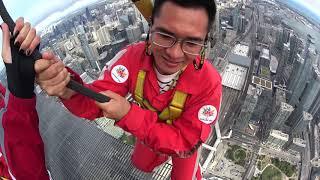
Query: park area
[
  {"x": 237, "y": 154},
  {"x": 274, "y": 169}
]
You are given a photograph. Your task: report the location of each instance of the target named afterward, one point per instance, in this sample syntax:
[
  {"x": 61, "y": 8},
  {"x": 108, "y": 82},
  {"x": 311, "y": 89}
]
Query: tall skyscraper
[
  {"x": 75, "y": 40},
  {"x": 86, "y": 48},
  {"x": 94, "y": 49},
  {"x": 242, "y": 24},
  {"x": 296, "y": 46},
  {"x": 300, "y": 123},
  {"x": 283, "y": 61},
  {"x": 282, "y": 113},
  {"x": 277, "y": 139},
  {"x": 235, "y": 17},
  {"x": 57, "y": 49},
  {"x": 88, "y": 15},
  {"x": 286, "y": 53},
  {"x": 315, "y": 106},
  {"x": 309, "y": 42},
  {"x": 297, "y": 69},
  {"x": 295, "y": 146},
  {"x": 261, "y": 33},
  {"x": 286, "y": 35},
  {"x": 132, "y": 16},
  {"x": 263, "y": 104},
  {"x": 124, "y": 20},
  {"x": 312, "y": 90},
  {"x": 302, "y": 76},
  {"x": 106, "y": 19},
  {"x": 104, "y": 35},
  {"x": 309, "y": 100},
  {"x": 133, "y": 33},
  {"x": 248, "y": 107},
  {"x": 279, "y": 42}
]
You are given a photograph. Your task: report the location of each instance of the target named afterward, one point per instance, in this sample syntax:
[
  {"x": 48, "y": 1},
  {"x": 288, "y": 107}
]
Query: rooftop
[
  {"x": 279, "y": 135},
  {"x": 286, "y": 107},
  {"x": 299, "y": 142},
  {"x": 234, "y": 76},
  {"x": 241, "y": 50},
  {"x": 316, "y": 71},
  {"x": 273, "y": 64},
  {"x": 244, "y": 61},
  {"x": 266, "y": 84},
  {"x": 86, "y": 78},
  {"x": 307, "y": 116},
  {"x": 265, "y": 53},
  {"x": 253, "y": 91}
]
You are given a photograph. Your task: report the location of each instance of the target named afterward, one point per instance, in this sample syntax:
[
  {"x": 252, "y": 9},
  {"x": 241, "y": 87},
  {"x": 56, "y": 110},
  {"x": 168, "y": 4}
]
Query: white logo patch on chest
[
  {"x": 207, "y": 114},
  {"x": 120, "y": 74}
]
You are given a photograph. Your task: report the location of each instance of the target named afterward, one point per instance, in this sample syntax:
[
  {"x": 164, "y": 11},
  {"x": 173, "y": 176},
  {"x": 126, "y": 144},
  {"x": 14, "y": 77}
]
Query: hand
[
  {"x": 26, "y": 37},
  {"x": 19, "y": 67},
  {"x": 52, "y": 76},
  {"x": 116, "y": 108}
]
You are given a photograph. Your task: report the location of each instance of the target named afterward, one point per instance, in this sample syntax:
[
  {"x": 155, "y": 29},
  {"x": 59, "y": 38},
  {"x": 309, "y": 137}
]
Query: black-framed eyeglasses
[{"x": 167, "y": 41}]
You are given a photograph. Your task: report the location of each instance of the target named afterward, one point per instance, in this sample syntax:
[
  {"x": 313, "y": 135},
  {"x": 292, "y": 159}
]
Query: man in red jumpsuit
[
  {"x": 177, "y": 93},
  {"x": 21, "y": 143}
]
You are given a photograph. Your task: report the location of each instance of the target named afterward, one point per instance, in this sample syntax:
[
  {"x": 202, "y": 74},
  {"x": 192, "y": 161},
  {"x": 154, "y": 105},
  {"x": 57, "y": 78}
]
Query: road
[
  {"x": 305, "y": 164},
  {"x": 229, "y": 98},
  {"x": 253, "y": 159},
  {"x": 232, "y": 99}
]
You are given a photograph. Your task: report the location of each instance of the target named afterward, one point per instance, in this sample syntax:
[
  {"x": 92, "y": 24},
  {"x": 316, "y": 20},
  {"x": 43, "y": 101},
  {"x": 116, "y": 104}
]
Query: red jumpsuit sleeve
[
  {"x": 85, "y": 107},
  {"x": 186, "y": 134},
  {"x": 23, "y": 146}
]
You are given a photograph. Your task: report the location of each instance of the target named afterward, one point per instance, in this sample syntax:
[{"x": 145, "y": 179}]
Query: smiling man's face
[{"x": 180, "y": 22}]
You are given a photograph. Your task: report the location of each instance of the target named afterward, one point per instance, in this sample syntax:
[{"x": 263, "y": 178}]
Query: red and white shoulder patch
[
  {"x": 119, "y": 74},
  {"x": 207, "y": 114}
]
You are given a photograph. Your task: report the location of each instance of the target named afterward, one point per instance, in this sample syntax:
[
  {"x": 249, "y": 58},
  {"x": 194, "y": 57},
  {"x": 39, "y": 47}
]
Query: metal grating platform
[{"x": 77, "y": 149}]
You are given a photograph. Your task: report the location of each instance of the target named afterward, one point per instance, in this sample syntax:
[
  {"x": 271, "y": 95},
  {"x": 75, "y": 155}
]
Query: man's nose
[{"x": 175, "y": 51}]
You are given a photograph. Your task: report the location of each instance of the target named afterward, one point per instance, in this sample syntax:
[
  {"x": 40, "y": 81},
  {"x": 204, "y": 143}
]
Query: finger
[
  {"x": 52, "y": 71},
  {"x": 23, "y": 33},
  {"x": 48, "y": 55},
  {"x": 28, "y": 40},
  {"x": 6, "y": 50},
  {"x": 103, "y": 106},
  {"x": 41, "y": 65},
  {"x": 111, "y": 94},
  {"x": 19, "y": 25},
  {"x": 34, "y": 44},
  {"x": 57, "y": 79},
  {"x": 58, "y": 89}
]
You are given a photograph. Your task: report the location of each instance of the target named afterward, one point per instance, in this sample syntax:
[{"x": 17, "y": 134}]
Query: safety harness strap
[{"x": 169, "y": 114}]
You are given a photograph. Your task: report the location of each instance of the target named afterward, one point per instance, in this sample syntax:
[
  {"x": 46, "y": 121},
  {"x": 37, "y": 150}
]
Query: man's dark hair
[{"x": 208, "y": 5}]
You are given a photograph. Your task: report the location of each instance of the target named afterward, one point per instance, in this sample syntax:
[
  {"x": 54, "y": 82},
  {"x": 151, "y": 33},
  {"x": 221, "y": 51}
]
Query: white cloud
[{"x": 62, "y": 13}]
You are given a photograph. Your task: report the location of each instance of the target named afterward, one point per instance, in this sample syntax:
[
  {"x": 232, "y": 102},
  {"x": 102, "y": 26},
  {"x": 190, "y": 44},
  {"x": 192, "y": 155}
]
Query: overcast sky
[
  {"x": 43, "y": 12},
  {"x": 312, "y": 5}
]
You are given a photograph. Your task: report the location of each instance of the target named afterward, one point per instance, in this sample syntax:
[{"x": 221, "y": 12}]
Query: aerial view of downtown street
[{"x": 268, "y": 55}]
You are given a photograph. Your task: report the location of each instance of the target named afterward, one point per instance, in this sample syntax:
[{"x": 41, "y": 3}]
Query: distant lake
[{"x": 303, "y": 30}]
